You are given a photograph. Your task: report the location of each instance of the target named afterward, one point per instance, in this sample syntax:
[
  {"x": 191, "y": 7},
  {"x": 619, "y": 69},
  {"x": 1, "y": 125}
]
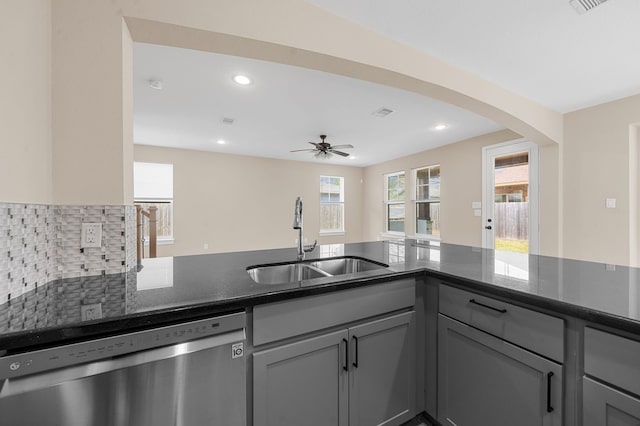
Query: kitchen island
[
  {"x": 493, "y": 298},
  {"x": 179, "y": 288}
]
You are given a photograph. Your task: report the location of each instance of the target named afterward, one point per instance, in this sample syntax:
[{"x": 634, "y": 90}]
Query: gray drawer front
[
  {"x": 541, "y": 333},
  {"x": 280, "y": 320},
  {"x": 612, "y": 358}
]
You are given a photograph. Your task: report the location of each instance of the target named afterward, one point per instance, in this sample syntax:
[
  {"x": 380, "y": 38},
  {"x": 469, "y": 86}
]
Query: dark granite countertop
[{"x": 169, "y": 290}]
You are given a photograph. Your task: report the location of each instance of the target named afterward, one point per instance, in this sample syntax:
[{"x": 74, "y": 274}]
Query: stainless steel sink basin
[
  {"x": 347, "y": 265},
  {"x": 298, "y": 271},
  {"x": 288, "y": 273}
]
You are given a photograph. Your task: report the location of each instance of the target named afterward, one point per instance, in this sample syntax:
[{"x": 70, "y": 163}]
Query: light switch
[
  {"x": 611, "y": 203},
  {"x": 477, "y": 212},
  {"x": 476, "y": 205}
]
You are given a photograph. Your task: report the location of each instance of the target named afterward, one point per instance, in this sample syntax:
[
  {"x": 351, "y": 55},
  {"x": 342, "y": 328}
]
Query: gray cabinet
[
  {"x": 610, "y": 361},
  {"x": 302, "y": 384},
  {"x": 484, "y": 380},
  {"x": 382, "y": 373},
  {"x": 603, "y": 405},
  {"x": 364, "y": 375}
]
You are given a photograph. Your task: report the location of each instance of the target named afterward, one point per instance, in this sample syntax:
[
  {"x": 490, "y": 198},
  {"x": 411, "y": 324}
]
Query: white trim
[
  {"x": 416, "y": 200},
  {"x": 331, "y": 233},
  {"x": 393, "y": 235},
  {"x": 341, "y": 203},
  {"x": 425, "y": 237},
  {"x": 488, "y": 197},
  {"x": 163, "y": 242},
  {"x": 387, "y": 203}
]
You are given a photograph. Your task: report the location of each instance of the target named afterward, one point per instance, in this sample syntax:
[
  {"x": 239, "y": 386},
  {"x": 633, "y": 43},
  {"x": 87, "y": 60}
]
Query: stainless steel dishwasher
[{"x": 186, "y": 374}]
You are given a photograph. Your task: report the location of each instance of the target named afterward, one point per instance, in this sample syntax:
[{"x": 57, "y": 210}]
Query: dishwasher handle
[{"x": 47, "y": 379}]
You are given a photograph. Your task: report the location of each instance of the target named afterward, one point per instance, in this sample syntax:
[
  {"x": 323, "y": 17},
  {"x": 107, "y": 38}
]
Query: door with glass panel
[{"x": 510, "y": 197}]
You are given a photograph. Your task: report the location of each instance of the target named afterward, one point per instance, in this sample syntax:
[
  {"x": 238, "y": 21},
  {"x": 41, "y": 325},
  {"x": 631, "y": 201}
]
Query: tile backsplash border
[{"x": 41, "y": 243}]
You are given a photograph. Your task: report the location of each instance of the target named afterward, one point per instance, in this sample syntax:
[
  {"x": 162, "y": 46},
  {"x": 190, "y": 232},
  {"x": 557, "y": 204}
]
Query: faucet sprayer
[
  {"x": 297, "y": 224},
  {"x": 297, "y": 218}
]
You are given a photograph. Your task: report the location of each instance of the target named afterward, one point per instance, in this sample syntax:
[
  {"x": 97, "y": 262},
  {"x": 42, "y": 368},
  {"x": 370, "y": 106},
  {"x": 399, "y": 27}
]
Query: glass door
[{"x": 510, "y": 197}]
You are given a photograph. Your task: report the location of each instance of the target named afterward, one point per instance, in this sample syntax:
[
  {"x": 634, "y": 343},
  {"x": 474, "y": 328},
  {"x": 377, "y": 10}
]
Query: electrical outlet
[
  {"x": 91, "y": 235},
  {"x": 91, "y": 312}
]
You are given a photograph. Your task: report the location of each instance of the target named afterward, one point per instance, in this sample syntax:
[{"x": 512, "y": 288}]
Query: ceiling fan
[{"x": 324, "y": 150}]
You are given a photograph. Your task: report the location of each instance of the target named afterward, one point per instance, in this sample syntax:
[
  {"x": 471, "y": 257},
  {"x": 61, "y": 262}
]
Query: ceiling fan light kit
[
  {"x": 324, "y": 150},
  {"x": 583, "y": 6}
]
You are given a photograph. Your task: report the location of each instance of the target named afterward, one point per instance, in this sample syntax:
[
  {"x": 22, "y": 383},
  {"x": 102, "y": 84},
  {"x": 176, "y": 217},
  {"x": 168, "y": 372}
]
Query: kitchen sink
[
  {"x": 288, "y": 273},
  {"x": 301, "y": 271},
  {"x": 347, "y": 265}
]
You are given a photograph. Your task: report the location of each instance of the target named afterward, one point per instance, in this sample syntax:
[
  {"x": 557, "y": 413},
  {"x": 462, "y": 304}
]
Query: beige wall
[
  {"x": 79, "y": 114},
  {"x": 233, "y": 202},
  {"x": 461, "y": 184},
  {"x": 91, "y": 98},
  {"x": 92, "y": 134},
  {"x": 25, "y": 101},
  {"x": 596, "y": 154}
]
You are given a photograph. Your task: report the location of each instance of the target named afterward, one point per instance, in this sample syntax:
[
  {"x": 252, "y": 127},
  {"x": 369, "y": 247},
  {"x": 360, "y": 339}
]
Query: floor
[{"x": 420, "y": 420}]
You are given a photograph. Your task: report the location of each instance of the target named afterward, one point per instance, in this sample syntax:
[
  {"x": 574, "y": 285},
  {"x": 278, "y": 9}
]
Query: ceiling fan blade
[
  {"x": 317, "y": 145},
  {"x": 344, "y": 154},
  {"x": 342, "y": 146},
  {"x": 300, "y": 150}
]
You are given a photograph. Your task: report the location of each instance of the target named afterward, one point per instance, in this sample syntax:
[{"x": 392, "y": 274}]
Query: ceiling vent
[
  {"x": 226, "y": 120},
  {"x": 583, "y": 6},
  {"x": 383, "y": 112}
]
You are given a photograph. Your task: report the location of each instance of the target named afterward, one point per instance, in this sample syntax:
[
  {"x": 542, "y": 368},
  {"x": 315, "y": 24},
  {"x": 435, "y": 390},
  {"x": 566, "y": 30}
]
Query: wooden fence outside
[{"x": 511, "y": 221}]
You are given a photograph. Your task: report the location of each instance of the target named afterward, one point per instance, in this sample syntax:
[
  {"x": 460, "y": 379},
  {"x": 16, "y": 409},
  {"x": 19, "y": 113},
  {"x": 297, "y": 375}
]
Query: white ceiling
[
  {"x": 283, "y": 109},
  {"x": 541, "y": 49}
]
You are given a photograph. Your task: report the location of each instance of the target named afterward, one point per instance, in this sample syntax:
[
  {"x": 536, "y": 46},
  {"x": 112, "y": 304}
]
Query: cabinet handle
[
  {"x": 345, "y": 367},
  {"x": 502, "y": 311},
  {"x": 355, "y": 361},
  {"x": 549, "y": 376}
]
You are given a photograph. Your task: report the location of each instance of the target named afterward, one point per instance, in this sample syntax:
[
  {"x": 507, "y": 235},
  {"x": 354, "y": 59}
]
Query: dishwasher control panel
[{"x": 108, "y": 347}]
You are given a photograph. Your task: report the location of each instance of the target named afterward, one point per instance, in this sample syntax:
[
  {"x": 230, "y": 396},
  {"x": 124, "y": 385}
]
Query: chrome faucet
[{"x": 297, "y": 224}]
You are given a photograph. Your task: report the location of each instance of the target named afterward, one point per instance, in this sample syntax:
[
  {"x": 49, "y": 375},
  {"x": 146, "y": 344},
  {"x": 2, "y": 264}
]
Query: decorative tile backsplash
[
  {"x": 60, "y": 301},
  {"x": 41, "y": 243}
]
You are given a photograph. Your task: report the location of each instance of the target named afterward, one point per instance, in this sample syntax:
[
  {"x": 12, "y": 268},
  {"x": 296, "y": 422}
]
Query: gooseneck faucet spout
[{"x": 297, "y": 224}]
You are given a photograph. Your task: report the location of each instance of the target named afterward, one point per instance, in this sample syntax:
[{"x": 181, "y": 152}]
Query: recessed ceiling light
[
  {"x": 221, "y": 142},
  {"x": 352, "y": 157},
  {"x": 155, "y": 84},
  {"x": 242, "y": 80},
  {"x": 440, "y": 127}
]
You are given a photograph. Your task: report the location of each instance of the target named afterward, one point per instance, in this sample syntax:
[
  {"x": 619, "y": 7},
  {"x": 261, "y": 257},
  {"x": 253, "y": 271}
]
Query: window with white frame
[
  {"x": 331, "y": 204},
  {"x": 427, "y": 184},
  {"x": 394, "y": 184},
  {"x": 153, "y": 186}
]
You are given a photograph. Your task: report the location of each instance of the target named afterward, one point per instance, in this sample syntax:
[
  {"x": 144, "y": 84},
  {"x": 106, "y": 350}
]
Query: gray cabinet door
[
  {"x": 486, "y": 381},
  {"x": 383, "y": 376},
  {"x": 603, "y": 405},
  {"x": 303, "y": 383}
]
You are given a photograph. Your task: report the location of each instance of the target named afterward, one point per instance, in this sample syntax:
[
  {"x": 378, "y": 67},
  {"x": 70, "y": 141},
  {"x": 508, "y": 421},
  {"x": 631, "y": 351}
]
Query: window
[
  {"x": 427, "y": 181},
  {"x": 394, "y": 200},
  {"x": 153, "y": 186},
  {"x": 331, "y": 204}
]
